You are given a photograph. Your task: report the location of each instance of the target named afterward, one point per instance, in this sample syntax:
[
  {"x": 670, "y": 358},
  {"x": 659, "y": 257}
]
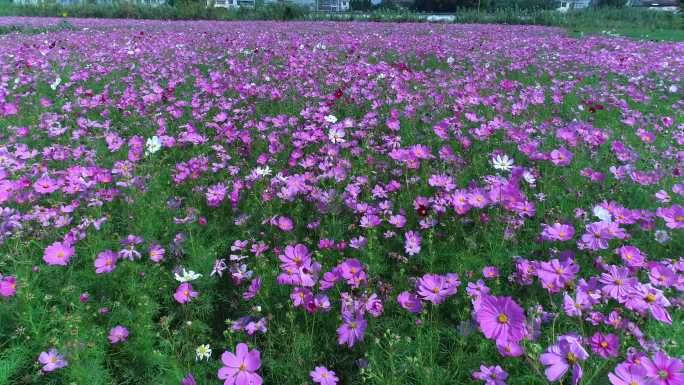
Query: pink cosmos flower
[
  {"x": 663, "y": 370},
  {"x": 51, "y": 360},
  {"x": 295, "y": 257},
  {"x": 412, "y": 242},
  {"x": 596, "y": 236},
  {"x": 410, "y": 302},
  {"x": 628, "y": 374},
  {"x": 645, "y": 297},
  {"x": 509, "y": 348},
  {"x": 561, "y": 157},
  {"x": 254, "y": 287},
  {"x": 118, "y": 334},
  {"x": 284, "y": 223},
  {"x": 184, "y": 293},
  {"x": 156, "y": 253},
  {"x": 558, "y": 232},
  {"x": 605, "y": 345},
  {"x": 45, "y": 185},
  {"x": 501, "y": 318},
  {"x": 8, "y": 286},
  {"x": 554, "y": 274},
  {"x": 105, "y": 262},
  {"x": 240, "y": 367},
  {"x": 489, "y": 272},
  {"x": 323, "y": 376},
  {"x": 673, "y": 216},
  {"x": 564, "y": 355},
  {"x": 617, "y": 282},
  {"x": 631, "y": 256},
  {"x": 491, "y": 375},
  {"x": 58, "y": 253},
  {"x": 433, "y": 288},
  {"x": 352, "y": 330}
]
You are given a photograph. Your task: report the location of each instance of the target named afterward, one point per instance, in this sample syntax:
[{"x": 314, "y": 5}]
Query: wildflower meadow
[{"x": 208, "y": 202}]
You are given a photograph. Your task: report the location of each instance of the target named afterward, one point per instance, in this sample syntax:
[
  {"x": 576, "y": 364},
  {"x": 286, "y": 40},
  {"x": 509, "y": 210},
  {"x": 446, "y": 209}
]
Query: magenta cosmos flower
[
  {"x": 8, "y": 286},
  {"x": 105, "y": 262},
  {"x": 323, "y": 376},
  {"x": 58, "y": 253},
  {"x": 628, "y": 374},
  {"x": 240, "y": 367},
  {"x": 51, "y": 360},
  {"x": 434, "y": 288},
  {"x": 490, "y": 272},
  {"x": 663, "y": 370},
  {"x": 673, "y": 216},
  {"x": 351, "y": 331},
  {"x": 564, "y": 355},
  {"x": 184, "y": 293},
  {"x": 189, "y": 380},
  {"x": 558, "y": 232},
  {"x": 501, "y": 318},
  {"x": 284, "y": 223},
  {"x": 118, "y": 334},
  {"x": 605, "y": 345},
  {"x": 410, "y": 302},
  {"x": 491, "y": 375}
]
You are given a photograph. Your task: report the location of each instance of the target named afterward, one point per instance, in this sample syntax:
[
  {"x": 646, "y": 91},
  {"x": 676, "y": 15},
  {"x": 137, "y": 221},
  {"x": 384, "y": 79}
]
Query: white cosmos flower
[
  {"x": 263, "y": 171},
  {"x": 502, "y": 162},
  {"x": 187, "y": 276},
  {"x": 336, "y": 135},
  {"x": 153, "y": 145},
  {"x": 602, "y": 214},
  {"x": 331, "y": 119},
  {"x": 450, "y": 60},
  {"x": 203, "y": 352},
  {"x": 56, "y": 83},
  {"x": 529, "y": 177}
]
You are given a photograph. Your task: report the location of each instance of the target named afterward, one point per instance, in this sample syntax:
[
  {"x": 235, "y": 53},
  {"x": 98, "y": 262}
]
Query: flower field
[{"x": 339, "y": 203}]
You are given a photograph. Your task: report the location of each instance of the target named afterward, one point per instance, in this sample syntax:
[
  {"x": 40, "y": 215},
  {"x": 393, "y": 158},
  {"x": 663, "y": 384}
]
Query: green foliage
[
  {"x": 11, "y": 361},
  {"x": 180, "y": 10},
  {"x": 610, "y": 3},
  {"x": 360, "y": 5}
]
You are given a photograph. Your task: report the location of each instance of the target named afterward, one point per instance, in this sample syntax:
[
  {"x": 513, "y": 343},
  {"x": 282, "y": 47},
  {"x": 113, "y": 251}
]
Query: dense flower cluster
[{"x": 302, "y": 192}]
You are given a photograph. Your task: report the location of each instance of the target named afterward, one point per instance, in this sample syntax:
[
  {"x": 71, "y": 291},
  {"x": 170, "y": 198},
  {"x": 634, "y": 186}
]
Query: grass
[{"x": 654, "y": 34}]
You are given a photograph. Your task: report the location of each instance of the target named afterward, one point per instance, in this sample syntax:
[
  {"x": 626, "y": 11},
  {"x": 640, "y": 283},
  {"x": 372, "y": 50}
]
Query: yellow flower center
[
  {"x": 502, "y": 318},
  {"x": 572, "y": 358},
  {"x": 650, "y": 298}
]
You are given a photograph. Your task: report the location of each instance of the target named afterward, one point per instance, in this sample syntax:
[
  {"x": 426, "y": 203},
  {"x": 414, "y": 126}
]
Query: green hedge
[
  {"x": 599, "y": 18},
  {"x": 184, "y": 11}
]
